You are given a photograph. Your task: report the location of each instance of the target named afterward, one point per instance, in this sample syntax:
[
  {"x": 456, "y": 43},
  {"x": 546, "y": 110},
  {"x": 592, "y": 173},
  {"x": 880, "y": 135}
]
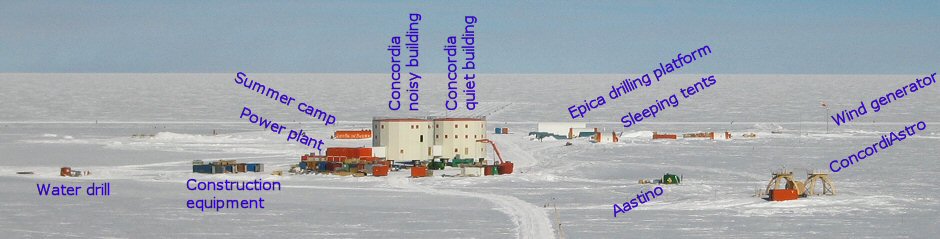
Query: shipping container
[
  {"x": 664, "y": 136},
  {"x": 255, "y": 167},
  {"x": 783, "y": 194},
  {"x": 703, "y": 135},
  {"x": 65, "y": 172},
  {"x": 209, "y": 169},
  {"x": 241, "y": 168},
  {"x": 505, "y": 130},
  {"x": 499, "y": 130},
  {"x": 380, "y": 170},
  {"x": 419, "y": 171},
  {"x": 349, "y": 152}
]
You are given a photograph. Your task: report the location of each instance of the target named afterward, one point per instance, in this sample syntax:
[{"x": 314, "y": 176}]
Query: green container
[
  {"x": 671, "y": 179},
  {"x": 458, "y": 162},
  {"x": 436, "y": 166}
]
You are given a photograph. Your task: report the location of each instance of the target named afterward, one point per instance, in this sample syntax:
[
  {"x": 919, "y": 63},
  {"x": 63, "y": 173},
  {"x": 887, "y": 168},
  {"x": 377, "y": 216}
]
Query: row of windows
[
  {"x": 465, "y": 151},
  {"x": 457, "y": 136},
  {"x": 466, "y": 126},
  {"x": 414, "y": 126}
]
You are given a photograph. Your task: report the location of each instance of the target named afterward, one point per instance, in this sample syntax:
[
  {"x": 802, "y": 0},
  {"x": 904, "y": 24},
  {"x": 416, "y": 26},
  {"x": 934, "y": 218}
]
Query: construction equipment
[
  {"x": 436, "y": 165},
  {"x": 504, "y": 167}
]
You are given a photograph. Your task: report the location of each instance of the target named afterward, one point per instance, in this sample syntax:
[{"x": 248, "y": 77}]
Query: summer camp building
[{"x": 424, "y": 139}]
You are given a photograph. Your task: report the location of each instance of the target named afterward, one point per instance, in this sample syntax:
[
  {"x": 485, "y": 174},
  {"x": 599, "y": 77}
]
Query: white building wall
[
  {"x": 403, "y": 139},
  {"x": 459, "y": 136}
]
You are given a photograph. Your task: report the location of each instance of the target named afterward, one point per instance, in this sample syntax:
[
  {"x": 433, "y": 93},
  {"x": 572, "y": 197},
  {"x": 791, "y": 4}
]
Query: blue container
[
  {"x": 303, "y": 165},
  {"x": 202, "y": 169},
  {"x": 210, "y": 169},
  {"x": 499, "y": 130},
  {"x": 230, "y": 168},
  {"x": 254, "y": 167},
  {"x": 322, "y": 165}
]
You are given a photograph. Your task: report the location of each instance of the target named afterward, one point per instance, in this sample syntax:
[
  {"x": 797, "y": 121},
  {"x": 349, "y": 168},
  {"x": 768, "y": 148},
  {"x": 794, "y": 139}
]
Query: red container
[
  {"x": 303, "y": 157},
  {"x": 488, "y": 170},
  {"x": 65, "y": 172},
  {"x": 419, "y": 171},
  {"x": 505, "y": 130},
  {"x": 353, "y": 134},
  {"x": 388, "y": 163},
  {"x": 380, "y": 170},
  {"x": 505, "y": 168},
  {"x": 664, "y": 136},
  {"x": 349, "y": 152},
  {"x": 783, "y": 194}
]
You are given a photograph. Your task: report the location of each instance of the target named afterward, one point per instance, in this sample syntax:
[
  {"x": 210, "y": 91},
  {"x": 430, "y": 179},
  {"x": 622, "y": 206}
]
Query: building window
[
  {"x": 383, "y": 126},
  {"x": 466, "y": 150},
  {"x": 429, "y": 126},
  {"x": 421, "y": 139},
  {"x": 437, "y": 126},
  {"x": 456, "y": 137},
  {"x": 402, "y": 151},
  {"x": 437, "y": 136},
  {"x": 466, "y": 136},
  {"x": 455, "y": 126},
  {"x": 445, "y": 136},
  {"x": 466, "y": 126},
  {"x": 455, "y": 150},
  {"x": 474, "y": 136},
  {"x": 429, "y": 148}
]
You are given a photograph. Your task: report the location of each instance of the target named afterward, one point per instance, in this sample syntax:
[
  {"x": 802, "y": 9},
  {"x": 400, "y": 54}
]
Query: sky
[{"x": 513, "y": 37}]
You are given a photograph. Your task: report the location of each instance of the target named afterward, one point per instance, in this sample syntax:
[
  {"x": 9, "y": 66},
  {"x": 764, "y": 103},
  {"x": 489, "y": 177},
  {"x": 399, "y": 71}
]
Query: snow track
[{"x": 530, "y": 220}]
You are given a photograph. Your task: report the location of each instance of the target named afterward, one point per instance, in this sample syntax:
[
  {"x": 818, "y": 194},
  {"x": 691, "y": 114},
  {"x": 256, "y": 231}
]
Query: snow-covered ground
[{"x": 49, "y": 120}]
